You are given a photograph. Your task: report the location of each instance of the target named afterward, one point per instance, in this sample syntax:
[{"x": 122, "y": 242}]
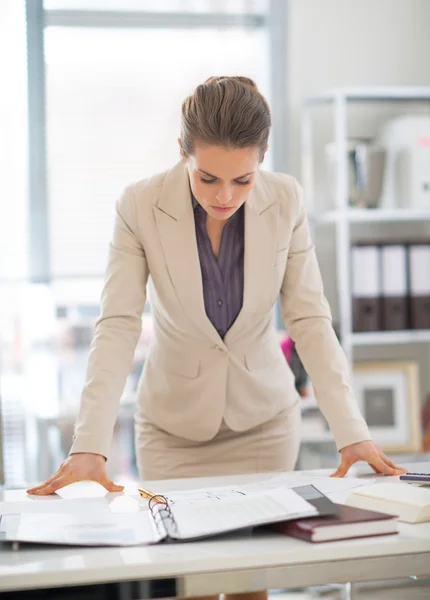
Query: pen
[{"x": 149, "y": 495}]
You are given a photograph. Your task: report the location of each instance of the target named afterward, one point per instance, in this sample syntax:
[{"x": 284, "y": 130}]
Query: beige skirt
[{"x": 271, "y": 446}]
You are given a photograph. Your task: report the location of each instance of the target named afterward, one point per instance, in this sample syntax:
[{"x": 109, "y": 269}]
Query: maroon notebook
[{"x": 351, "y": 522}]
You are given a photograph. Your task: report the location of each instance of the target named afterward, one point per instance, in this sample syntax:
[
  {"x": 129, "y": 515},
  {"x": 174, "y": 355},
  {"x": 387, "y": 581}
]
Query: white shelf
[
  {"x": 371, "y": 338},
  {"x": 373, "y": 93},
  {"x": 376, "y": 215},
  {"x": 343, "y": 217}
]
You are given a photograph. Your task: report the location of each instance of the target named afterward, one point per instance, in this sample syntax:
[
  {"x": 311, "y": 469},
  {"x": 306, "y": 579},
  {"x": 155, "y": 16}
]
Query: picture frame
[{"x": 388, "y": 397}]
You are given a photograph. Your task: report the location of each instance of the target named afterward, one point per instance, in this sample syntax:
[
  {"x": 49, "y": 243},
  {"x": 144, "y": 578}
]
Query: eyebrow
[{"x": 215, "y": 177}]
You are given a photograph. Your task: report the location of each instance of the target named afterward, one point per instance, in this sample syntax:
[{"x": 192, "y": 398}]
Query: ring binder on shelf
[
  {"x": 419, "y": 273},
  {"x": 394, "y": 312},
  {"x": 366, "y": 287}
]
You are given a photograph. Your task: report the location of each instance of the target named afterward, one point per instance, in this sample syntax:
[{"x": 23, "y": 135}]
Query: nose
[{"x": 224, "y": 196}]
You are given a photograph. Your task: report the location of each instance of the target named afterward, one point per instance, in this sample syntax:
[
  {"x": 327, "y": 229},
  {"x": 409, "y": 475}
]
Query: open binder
[{"x": 166, "y": 521}]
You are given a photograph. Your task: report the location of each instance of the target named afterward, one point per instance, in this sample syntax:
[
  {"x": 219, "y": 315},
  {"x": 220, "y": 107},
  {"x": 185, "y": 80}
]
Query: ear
[
  {"x": 264, "y": 153},
  {"x": 181, "y": 150}
]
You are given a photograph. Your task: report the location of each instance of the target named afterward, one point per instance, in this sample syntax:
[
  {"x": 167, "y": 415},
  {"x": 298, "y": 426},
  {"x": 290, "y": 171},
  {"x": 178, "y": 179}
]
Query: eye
[
  {"x": 207, "y": 180},
  {"x": 247, "y": 182}
]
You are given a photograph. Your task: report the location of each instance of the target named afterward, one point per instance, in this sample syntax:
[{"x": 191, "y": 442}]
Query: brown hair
[{"x": 226, "y": 111}]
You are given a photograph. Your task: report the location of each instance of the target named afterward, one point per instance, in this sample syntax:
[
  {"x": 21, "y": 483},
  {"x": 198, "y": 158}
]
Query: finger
[
  {"x": 37, "y": 487},
  {"x": 49, "y": 488},
  {"x": 45, "y": 489},
  {"x": 109, "y": 484},
  {"x": 378, "y": 463},
  {"x": 337, "y": 473},
  {"x": 57, "y": 483},
  {"x": 343, "y": 468},
  {"x": 392, "y": 464}
]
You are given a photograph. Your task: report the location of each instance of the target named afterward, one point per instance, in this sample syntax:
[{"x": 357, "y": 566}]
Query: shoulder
[
  {"x": 145, "y": 192},
  {"x": 285, "y": 189},
  {"x": 137, "y": 198}
]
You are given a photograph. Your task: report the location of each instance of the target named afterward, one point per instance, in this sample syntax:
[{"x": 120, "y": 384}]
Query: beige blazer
[{"x": 192, "y": 379}]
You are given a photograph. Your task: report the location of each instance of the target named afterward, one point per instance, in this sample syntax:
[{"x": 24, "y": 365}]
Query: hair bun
[
  {"x": 247, "y": 81},
  {"x": 227, "y": 112}
]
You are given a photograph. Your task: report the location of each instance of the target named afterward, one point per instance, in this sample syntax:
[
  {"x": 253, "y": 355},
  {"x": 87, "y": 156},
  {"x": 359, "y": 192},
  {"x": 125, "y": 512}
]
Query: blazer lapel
[
  {"x": 261, "y": 221},
  {"x": 174, "y": 217}
]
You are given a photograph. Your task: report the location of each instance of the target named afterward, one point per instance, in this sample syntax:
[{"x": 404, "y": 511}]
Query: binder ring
[
  {"x": 156, "y": 499},
  {"x": 161, "y": 512}
]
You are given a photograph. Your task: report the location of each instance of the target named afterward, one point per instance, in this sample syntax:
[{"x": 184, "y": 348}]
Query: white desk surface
[{"x": 232, "y": 564}]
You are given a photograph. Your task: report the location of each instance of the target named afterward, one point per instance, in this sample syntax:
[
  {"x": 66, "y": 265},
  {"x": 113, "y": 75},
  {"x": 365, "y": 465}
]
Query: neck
[{"x": 215, "y": 225}]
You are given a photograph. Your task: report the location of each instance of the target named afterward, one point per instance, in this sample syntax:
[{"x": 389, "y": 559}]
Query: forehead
[{"x": 225, "y": 163}]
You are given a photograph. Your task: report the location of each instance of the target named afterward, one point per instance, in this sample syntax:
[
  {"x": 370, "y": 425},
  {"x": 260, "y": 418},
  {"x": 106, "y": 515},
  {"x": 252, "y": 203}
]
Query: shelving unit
[
  {"x": 344, "y": 217},
  {"x": 380, "y": 338},
  {"x": 354, "y": 215}
]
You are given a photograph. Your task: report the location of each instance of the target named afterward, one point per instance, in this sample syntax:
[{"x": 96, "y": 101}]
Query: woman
[{"x": 221, "y": 240}]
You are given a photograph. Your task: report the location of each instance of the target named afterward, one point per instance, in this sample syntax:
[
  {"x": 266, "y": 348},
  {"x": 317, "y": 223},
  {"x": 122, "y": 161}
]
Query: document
[
  {"x": 107, "y": 504},
  {"x": 207, "y": 518},
  {"x": 326, "y": 485},
  {"x": 163, "y": 521},
  {"x": 86, "y": 530}
]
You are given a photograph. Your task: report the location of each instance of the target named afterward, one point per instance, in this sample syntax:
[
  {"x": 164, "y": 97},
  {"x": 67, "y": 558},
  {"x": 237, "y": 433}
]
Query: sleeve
[
  {"x": 308, "y": 320},
  {"x": 116, "y": 334}
]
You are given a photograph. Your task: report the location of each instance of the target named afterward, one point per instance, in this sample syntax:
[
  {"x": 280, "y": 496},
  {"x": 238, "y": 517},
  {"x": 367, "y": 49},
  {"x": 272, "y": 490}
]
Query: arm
[
  {"x": 117, "y": 333},
  {"x": 308, "y": 319}
]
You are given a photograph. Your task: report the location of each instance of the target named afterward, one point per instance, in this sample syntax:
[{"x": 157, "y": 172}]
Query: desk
[{"x": 232, "y": 564}]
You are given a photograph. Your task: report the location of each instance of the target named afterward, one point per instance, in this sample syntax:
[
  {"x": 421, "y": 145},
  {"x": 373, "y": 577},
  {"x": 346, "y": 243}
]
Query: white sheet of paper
[
  {"x": 117, "y": 503},
  {"x": 55, "y": 505},
  {"x": 99, "y": 530},
  {"x": 197, "y": 495},
  {"x": 326, "y": 485},
  {"x": 209, "y": 518}
]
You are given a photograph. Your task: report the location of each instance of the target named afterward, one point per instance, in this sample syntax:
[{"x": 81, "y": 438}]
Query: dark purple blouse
[{"x": 222, "y": 277}]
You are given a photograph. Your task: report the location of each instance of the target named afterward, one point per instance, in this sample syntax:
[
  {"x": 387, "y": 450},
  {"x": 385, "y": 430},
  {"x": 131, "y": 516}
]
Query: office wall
[
  {"x": 336, "y": 43},
  {"x": 351, "y": 43}
]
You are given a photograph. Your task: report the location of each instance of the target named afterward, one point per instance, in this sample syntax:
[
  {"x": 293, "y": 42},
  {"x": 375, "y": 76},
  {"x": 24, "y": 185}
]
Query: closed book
[
  {"x": 349, "y": 523},
  {"x": 408, "y": 503}
]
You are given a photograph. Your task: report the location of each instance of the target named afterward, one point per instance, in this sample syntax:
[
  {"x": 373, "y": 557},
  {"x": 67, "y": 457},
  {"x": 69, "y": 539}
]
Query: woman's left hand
[{"x": 370, "y": 453}]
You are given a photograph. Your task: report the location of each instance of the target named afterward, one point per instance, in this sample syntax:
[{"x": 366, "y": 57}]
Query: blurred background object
[
  {"x": 90, "y": 102},
  {"x": 407, "y": 177},
  {"x": 366, "y": 164}
]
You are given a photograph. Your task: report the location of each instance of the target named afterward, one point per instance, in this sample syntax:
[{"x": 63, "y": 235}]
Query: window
[
  {"x": 13, "y": 142},
  {"x": 186, "y": 6},
  {"x": 113, "y": 117}
]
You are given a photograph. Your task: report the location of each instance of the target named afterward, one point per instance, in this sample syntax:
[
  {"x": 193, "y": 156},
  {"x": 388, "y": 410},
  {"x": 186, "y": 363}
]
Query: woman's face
[{"x": 222, "y": 178}]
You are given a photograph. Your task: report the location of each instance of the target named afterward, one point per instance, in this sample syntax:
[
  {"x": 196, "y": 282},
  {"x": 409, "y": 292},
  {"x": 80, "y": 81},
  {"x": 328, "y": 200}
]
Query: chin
[{"x": 221, "y": 216}]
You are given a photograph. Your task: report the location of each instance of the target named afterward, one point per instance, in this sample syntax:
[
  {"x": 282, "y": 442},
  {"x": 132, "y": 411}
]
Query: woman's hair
[{"x": 226, "y": 111}]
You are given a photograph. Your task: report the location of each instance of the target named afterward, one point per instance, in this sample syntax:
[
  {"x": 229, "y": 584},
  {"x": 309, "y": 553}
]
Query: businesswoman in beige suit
[{"x": 217, "y": 240}]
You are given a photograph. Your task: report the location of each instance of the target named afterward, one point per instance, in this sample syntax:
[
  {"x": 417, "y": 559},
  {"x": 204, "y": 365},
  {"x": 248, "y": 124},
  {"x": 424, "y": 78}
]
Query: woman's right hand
[{"x": 78, "y": 467}]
